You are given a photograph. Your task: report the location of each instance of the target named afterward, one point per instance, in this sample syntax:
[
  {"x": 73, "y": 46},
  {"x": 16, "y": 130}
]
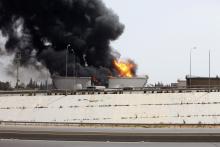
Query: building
[
  {"x": 203, "y": 82},
  {"x": 179, "y": 84}
]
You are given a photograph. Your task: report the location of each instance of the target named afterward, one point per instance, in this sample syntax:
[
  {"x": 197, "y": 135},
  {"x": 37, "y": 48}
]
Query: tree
[{"x": 5, "y": 86}]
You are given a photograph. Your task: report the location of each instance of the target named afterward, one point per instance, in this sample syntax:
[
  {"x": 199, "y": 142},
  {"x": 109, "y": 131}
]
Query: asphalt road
[
  {"x": 45, "y": 143},
  {"x": 110, "y": 134}
]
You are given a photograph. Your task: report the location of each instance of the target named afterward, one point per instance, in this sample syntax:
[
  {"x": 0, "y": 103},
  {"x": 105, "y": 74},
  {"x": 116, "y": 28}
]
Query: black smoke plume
[{"x": 42, "y": 30}]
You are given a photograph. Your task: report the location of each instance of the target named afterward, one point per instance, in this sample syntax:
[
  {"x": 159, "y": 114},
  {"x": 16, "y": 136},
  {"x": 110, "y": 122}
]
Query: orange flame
[{"x": 124, "y": 68}]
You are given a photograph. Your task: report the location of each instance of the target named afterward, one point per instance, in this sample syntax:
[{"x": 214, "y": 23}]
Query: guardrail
[{"x": 108, "y": 91}]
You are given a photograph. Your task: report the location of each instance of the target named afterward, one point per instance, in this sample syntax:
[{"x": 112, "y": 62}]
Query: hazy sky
[{"x": 160, "y": 33}]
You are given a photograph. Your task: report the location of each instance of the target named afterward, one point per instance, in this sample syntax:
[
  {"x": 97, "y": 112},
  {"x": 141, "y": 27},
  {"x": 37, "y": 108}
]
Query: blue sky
[{"x": 159, "y": 35}]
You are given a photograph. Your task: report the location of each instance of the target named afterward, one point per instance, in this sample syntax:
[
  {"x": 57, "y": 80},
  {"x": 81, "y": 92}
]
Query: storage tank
[
  {"x": 71, "y": 83},
  {"x": 123, "y": 82}
]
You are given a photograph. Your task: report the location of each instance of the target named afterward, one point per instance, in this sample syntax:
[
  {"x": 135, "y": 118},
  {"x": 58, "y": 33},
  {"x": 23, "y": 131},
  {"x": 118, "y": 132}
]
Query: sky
[{"x": 160, "y": 34}]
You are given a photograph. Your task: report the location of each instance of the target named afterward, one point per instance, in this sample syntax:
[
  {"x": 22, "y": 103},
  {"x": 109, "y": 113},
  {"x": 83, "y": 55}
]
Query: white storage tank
[
  {"x": 122, "y": 82},
  {"x": 71, "y": 83}
]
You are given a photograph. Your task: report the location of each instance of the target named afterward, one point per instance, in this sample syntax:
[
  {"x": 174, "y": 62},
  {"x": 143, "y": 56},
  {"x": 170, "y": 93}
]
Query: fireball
[{"x": 124, "y": 68}]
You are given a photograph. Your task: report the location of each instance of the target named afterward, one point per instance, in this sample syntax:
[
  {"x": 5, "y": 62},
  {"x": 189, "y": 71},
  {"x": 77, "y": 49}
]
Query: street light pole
[
  {"x": 74, "y": 69},
  {"x": 67, "y": 49},
  {"x": 18, "y": 58},
  {"x": 209, "y": 70}
]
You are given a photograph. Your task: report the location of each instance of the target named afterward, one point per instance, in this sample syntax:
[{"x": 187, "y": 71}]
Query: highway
[{"x": 110, "y": 134}]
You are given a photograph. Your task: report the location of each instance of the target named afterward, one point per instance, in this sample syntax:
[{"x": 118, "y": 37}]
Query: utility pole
[{"x": 17, "y": 60}]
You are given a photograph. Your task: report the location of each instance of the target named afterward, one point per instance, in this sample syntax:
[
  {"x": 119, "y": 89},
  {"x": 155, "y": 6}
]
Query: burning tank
[
  {"x": 126, "y": 78},
  {"x": 124, "y": 82}
]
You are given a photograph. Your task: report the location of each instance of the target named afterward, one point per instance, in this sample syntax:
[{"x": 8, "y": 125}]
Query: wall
[{"x": 166, "y": 108}]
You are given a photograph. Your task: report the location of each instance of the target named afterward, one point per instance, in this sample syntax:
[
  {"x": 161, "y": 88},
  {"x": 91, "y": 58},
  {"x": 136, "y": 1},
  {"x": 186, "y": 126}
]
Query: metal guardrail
[{"x": 109, "y": 91}]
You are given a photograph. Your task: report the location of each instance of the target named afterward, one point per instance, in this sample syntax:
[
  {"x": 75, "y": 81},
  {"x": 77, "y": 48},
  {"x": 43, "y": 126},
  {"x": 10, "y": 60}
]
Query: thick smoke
[{"x": 43, "y": 30}]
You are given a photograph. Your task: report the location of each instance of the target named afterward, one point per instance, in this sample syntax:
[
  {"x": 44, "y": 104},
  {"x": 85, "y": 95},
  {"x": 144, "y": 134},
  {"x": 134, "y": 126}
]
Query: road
[
  {"x": 45, "y": 143},
  {"x": 110, "y": 134}
]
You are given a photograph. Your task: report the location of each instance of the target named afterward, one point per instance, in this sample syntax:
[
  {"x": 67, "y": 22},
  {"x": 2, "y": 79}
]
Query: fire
[{"x": 125, "y": 68}]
